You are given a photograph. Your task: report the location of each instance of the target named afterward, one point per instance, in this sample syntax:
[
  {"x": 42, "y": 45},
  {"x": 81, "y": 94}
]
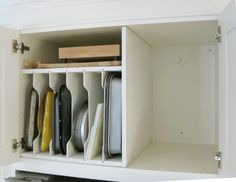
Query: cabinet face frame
[
  {"x": 223, "y": 129},
  {"x": 227, "y": 127}
]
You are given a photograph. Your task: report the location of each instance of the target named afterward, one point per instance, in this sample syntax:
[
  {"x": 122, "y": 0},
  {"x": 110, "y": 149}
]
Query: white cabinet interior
[
  {"x": 169, "y": 92},
  {"x": 184, "y": 101},
  {"x": 85, "y": 84}
]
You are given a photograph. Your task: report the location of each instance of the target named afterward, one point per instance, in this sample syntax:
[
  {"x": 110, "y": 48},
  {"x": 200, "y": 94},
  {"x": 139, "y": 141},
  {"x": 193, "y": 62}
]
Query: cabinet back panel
[
  {"x": 80, "y": 37},
  {"x": 184, "y": 80},
  {"x": 39, "y": 51}
]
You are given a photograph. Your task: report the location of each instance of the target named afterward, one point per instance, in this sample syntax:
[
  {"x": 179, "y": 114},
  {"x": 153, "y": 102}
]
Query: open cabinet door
[
  {"x": 9, "y": 98},
  {"x": 227, "y": 88}
]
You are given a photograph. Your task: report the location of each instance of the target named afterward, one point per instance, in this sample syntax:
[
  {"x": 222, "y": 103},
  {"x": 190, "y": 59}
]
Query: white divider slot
[
  {"x": 56, "y": 80},
  {"x": 104, "y": 158},
  {"x": 26, "y": 86},
  {"x": 92, "y": 83},
  {"x": 41, "y": 85},
  {"x": 104, "y": 73},
  {"x": 79, "y": 95}
]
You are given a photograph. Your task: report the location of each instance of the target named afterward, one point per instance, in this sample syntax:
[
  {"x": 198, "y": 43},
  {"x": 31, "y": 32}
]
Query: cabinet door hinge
[
  {"x": 19, "y": 46},
  {"x": 18, "y": 144},
  {"x": 218, "y": 35},
  {"x": 218, "y": 157}
]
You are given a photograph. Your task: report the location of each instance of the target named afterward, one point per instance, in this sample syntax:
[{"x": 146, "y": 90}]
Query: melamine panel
[{"x": 185, "y": 94}]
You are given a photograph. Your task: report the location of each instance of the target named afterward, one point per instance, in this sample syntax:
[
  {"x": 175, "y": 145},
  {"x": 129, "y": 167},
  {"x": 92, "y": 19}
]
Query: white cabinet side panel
[
  {"x": 9, "y": 99},
  {"x": 138, "y": 82}
]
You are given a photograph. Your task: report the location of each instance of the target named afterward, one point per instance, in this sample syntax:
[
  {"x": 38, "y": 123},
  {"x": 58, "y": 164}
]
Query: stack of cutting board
[{"x": 83, "y": 56}]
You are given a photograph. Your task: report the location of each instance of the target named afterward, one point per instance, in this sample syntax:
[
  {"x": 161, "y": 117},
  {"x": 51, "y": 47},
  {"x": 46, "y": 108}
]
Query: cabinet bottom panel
[
  {"x": 193, "y": 158},
  {"x": 77, "y": 158},
  {"x": 106, "y": 173}
]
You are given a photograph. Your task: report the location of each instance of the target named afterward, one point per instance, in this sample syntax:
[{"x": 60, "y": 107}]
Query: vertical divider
[
  {"x": 51, "y": 152},
  {"x": 56, "y": 80},
  {"x": 40, "y": 84},
  {"x": 92, "y": 83},
  {"x": 51, "y": 86},
  {"x": 136, "y": 95},
  {"x": 79, "y": 95},
  {"x": 102, "y": 83}
]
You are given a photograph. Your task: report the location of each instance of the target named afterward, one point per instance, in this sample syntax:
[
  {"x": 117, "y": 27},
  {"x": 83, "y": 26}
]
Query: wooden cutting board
[
  {"x": 82, "y": 52},
  {"x": 71, "y": 65}
]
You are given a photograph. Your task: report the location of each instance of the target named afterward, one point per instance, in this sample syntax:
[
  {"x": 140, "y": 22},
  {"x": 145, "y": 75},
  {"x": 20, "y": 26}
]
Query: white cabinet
[{"x": 178, "y": 99}]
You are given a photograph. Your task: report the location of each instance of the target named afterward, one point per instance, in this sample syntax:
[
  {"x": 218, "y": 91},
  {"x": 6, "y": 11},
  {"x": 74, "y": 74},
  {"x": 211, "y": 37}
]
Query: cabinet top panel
[
  {"x": 178, "y": 34},
  {"x": 80, "y": 37},
  {"x": 74, "y": 70}
]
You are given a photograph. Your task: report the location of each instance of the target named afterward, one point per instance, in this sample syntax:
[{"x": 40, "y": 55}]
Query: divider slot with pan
[
  {"x": 25, "y": 92},
  {"x": 92, "y": 83},
  {"x": 41, "y": 85},
  {"x": 79, "y": 103},
  {"x": 56, "y": 80},
  {"x": 112, "y": 126}
]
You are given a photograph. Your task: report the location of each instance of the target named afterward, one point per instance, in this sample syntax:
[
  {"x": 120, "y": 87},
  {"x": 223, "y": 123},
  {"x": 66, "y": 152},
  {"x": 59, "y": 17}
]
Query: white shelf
[
  {"x": 31, "y": 155},
  {"x": 192, "y": 158},
  {"x": 75, "y": 70},
  {"x": 77, "y": 158},
  {"x": 107, "y": 173},
  {"x": 114, "y": 161}
]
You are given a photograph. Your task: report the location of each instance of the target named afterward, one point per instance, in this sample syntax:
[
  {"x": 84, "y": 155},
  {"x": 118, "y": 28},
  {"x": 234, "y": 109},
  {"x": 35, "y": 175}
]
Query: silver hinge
[
  {"x": 218, "y": 157},
  {"x": 17, "y": 144},
  {"x": 218, "y": 36},
  {"x": 19, "y": 46}
]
